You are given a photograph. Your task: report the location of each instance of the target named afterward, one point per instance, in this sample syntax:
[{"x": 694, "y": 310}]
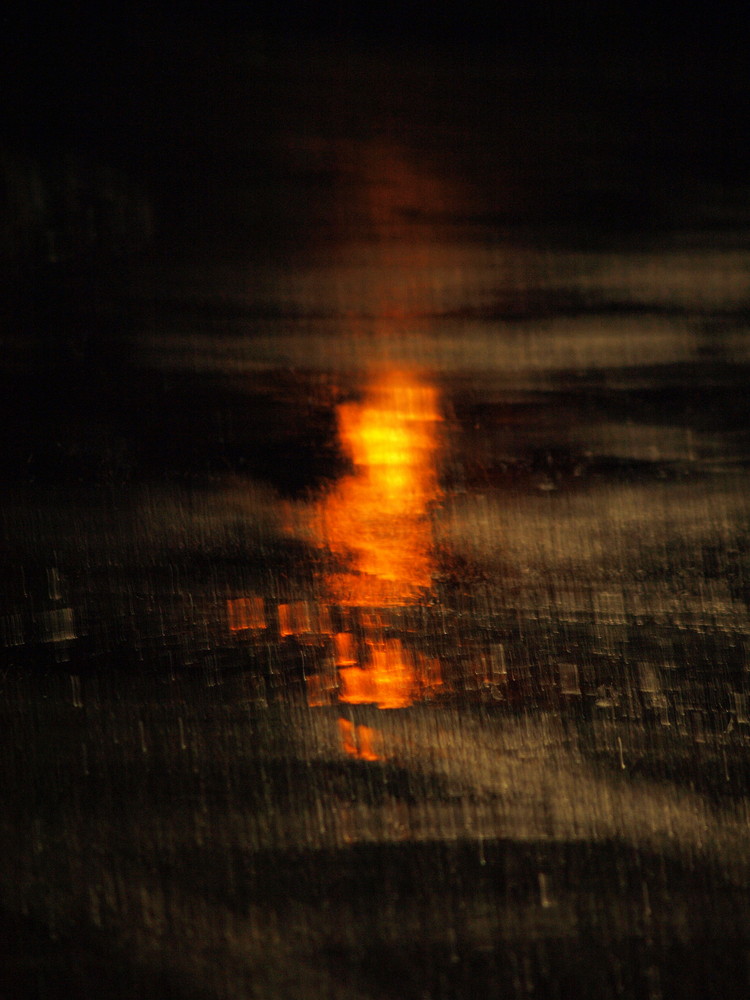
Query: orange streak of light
[
  {"x": 246, "y": 613},
  {"x": 378, "y": 518}
]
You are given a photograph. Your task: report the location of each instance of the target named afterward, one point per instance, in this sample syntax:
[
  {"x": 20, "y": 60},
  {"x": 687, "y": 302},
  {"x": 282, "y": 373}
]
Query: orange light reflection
[
  {"x": 246, "y": 613},
  {"x": 378, "y": 519}
]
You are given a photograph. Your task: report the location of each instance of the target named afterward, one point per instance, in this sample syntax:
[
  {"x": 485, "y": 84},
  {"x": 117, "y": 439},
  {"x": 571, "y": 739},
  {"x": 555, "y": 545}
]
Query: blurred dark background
[
  {"x": 130, "y": 138},
  {"x": 113, "y": 121}
]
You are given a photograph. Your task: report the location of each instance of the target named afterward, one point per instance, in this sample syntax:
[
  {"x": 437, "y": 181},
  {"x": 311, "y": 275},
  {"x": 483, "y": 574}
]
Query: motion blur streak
[{"x": 378, "y": 517}]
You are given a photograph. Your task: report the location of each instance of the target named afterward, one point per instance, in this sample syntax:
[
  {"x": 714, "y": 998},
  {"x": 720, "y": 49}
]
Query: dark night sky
[
  {"x": 166, "y": 95},
  {"x": 141, "y": 90},
  {"x": 76, "y": 58},
  {"x": 84, "y": 76}
]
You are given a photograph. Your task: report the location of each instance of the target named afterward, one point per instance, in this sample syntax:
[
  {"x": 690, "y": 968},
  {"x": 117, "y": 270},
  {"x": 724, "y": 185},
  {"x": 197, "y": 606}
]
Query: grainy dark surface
[{"x": 375, "y": 546}]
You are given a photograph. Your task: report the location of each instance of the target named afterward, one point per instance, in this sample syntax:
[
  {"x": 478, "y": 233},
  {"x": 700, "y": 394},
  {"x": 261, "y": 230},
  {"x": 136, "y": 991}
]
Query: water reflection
[
  {"x": 246, "y": 614},
  {"x": 378, "y": 518},
  {"x": 375, "y": 527}
]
